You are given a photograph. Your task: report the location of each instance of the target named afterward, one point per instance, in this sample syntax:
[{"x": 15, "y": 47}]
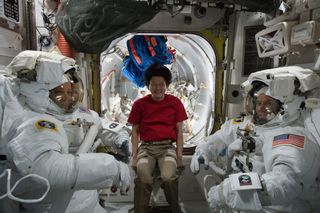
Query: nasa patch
[
  {"x": 44, "y": 124},
  {"x": 238, "y": 120}
]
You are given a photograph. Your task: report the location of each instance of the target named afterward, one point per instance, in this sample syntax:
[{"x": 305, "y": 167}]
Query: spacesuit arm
[
  {"x": 218, "y": 142},
  {"x": 279, "y": 187},
  {"x": 222, "y": 195},
  {"x": 115, "y": 134},
  {"x": 213, "y": 149},
  {"x": 85, "y": 171},
  {"x": 282, "y": 186},
  {"x": 291, "y": 169},
  {"x": 43, "y": 149},
  {"x": 109, "y": 137}
]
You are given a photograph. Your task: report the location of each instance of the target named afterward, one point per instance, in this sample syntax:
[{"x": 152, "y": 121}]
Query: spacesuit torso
[
  {"x": 77, "y": 126},
  {"x": 231, "y": 134},
  {"x": 228, "y": 131},
  {"x": 109, "y": 133}
]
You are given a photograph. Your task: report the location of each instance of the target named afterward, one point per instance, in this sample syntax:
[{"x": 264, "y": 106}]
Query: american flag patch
[{"x": 288, "y": 139}]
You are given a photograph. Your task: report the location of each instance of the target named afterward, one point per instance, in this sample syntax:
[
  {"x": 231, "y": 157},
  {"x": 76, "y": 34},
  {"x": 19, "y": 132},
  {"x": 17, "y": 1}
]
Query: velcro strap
[
  {"x": 134, "y": 52},
  {"x": 151, "y": 43}
]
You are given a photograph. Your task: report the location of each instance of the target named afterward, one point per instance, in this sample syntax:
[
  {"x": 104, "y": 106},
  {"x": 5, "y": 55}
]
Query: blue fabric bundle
[{"x": 144, "y": 51}]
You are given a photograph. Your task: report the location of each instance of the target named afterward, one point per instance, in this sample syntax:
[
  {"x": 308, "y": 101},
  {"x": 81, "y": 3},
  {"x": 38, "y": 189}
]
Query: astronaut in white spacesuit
[
  {"x": 33, "y": 139},
  {"x": 289, "y": 178}
]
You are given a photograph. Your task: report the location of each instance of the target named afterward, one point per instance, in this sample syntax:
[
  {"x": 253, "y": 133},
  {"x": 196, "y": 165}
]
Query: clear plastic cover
[
  {"x": 260, "y": 106},
  {"x": 69, "y": 95}
]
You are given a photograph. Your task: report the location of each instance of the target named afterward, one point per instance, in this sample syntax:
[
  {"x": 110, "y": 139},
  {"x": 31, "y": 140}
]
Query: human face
[
  {"x": 266, "y": 108},
  {"x": 66, "y": 96},
  {"x": 62, "y": 96},
  {"x": 157, "y": 87}
]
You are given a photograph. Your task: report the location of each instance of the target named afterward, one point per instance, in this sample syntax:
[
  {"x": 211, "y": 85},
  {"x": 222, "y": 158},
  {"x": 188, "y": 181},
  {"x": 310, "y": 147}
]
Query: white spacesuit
[
  {"x": 33, "y": 139},
  {"x": 290, "y": 153}
]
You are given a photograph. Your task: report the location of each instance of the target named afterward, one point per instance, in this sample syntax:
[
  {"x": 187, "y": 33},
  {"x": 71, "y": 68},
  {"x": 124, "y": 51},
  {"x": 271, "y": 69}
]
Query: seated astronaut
[
  {"x": 44, "y": 94},
  {"x": 269, "y": 159}
]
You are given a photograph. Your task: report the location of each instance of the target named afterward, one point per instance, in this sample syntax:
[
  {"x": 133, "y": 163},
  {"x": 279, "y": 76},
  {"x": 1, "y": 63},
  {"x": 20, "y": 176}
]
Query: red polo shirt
[{"x": 157, "y": 119}]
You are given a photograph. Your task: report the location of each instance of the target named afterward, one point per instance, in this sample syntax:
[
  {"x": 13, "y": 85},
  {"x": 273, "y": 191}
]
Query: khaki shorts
[{"x": 151, "y": 153}]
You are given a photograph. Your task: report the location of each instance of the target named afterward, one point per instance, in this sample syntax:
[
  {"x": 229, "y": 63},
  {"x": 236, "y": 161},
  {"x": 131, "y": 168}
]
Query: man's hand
[
  {"x": 179, "y": 161},
  {"x": 180, "y": 166},
  {"x": 134, "y": 161}
]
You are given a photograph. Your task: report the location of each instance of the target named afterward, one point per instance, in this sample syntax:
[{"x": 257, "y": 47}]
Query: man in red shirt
[{"x": 157, "y": 123}]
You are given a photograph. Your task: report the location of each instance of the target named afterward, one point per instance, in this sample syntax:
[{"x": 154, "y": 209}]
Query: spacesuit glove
[
  {"x": 123, "y": 181},
  {"x": 200, "y": 156},
  {"x": 126, "y": 149},
  {"x": 234, "y": 147}
]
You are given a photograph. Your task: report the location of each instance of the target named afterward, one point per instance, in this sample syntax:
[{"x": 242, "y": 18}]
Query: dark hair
[
  {"x": 157, "y": 70},
  {"x": 256, "y": 86}
]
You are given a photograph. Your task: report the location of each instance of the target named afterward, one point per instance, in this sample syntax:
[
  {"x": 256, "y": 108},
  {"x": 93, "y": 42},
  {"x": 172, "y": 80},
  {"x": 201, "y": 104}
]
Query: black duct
[
  {"x": 90, "y": 25},
  {"x": 265, "y": 6}
]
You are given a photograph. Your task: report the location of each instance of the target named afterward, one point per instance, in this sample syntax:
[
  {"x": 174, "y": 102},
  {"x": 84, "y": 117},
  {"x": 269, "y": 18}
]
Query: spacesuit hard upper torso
[
  {"x": 216, "y": 149},
  {"x": 77, "y": 126},
  {"x": 228, "y": 131},
  {"x": 227, "y": 136},
  {"x": 111, "y": 133}
]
